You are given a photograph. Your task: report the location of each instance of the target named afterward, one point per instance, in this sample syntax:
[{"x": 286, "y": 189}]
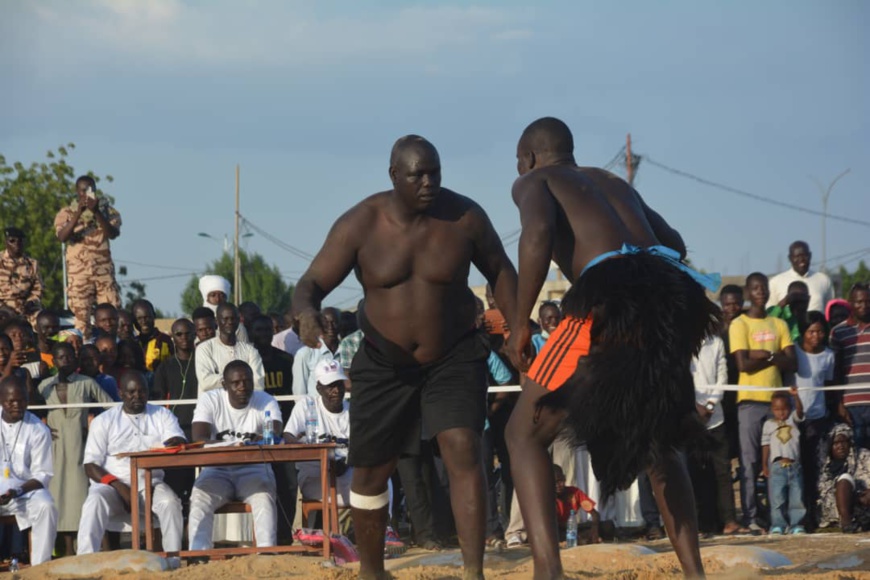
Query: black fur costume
[{"x": 632, "y": 397}]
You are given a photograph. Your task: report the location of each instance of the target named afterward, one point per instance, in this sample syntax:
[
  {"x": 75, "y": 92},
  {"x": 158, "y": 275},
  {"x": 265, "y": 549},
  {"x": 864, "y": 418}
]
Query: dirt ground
[{"x": 818, "y": 556}]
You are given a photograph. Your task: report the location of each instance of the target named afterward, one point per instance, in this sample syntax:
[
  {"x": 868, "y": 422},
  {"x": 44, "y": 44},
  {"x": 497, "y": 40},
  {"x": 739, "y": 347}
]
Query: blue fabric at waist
[{"x": 709, "y": 281}]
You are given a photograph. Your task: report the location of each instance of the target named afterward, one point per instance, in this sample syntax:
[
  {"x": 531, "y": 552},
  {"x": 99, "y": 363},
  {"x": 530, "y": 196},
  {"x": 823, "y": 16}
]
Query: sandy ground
[{"x": 819, "y": 556}]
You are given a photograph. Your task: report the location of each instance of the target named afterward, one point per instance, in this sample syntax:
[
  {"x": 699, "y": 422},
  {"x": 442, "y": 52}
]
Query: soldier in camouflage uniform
[
  {"x": 86, "y": 226},
  {"x": 20, "y": 283}
]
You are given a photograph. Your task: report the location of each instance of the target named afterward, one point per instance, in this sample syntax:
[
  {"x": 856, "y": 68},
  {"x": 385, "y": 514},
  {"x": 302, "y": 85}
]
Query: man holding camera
[{"x": 86, "y": 226}]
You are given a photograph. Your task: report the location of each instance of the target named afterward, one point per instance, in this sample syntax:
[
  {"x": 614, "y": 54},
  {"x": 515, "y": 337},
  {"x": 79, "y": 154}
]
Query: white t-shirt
[
  {"x": 115, "y": 431},
  {"x": 230, "y": 424},
  {"x": 331, "y": 428},
  {"x": 288, "y": 341},
  {"x": 813, "y": 370},
  {"x": 818, "y": 283}
]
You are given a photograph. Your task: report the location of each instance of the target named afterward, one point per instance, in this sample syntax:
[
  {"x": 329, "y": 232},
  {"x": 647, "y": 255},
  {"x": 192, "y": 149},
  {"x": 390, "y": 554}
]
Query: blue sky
[{"x": 308, "y": 97}]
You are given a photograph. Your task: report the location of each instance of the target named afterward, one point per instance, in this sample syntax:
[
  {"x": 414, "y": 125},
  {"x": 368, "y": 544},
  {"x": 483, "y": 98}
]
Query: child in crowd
[
  {"x": 815, "y": 369},
  {"x": 780, "y": 460},
  {"x": 549, "y": 317},
  {"x": 572, "y": 498},
  {"x": 89, "y": 366}
]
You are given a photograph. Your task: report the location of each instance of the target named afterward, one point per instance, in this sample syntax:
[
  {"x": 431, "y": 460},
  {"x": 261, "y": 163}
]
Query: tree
[
  {"x": 261, "y": 283},
  {"x": 135, "y": 290},
  {"x": 30, "y": 198},
  {"x": 861, "y": 274}
]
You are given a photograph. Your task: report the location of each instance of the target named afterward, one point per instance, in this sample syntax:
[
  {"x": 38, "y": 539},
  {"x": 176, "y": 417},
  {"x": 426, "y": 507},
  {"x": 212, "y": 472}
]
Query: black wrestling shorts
[{"x": 388, "y": 401}]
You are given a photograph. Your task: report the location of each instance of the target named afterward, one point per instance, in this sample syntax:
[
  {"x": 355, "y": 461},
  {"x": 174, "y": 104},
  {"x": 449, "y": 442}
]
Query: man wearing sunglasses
[{"x": 20, "y": 283}]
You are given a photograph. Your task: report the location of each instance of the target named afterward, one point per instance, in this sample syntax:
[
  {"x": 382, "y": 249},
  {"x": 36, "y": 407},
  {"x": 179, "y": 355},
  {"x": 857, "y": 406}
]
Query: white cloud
[{"x": 177, "y": 34}]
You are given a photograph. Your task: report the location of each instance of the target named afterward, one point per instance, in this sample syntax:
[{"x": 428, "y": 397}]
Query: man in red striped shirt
[{"x": 850, "y": 341}]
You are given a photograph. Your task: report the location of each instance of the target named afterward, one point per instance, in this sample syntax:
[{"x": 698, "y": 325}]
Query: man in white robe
[
  {"x": 26, "y": 464},
  {"x": 213, "y": 355},
  {"x": 135, "y": 425}
]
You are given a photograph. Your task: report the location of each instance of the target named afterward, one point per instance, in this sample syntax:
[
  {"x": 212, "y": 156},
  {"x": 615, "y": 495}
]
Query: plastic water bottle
[
  {"x": 13, "y": 565},
  {"x": 310, "y": 421},
  {"x": 571, "y": 533},
  {"x": 268, "y": 430}
]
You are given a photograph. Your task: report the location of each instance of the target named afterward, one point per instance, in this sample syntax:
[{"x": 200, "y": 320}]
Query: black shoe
[{"x": 654, "y": 533}]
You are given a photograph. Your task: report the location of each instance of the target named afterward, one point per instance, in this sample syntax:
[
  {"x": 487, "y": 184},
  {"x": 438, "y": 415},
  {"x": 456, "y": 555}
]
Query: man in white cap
[
  {"x": 25, "y": 448},
  {"x": 215, "y": 291},
  {"x": 333, "y": 425}
]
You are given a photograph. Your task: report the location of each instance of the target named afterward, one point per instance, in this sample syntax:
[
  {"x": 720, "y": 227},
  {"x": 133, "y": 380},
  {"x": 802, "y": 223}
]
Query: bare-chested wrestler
[
  {"x": 616, "y": 372},
  {"x": 411, "y": 249}
]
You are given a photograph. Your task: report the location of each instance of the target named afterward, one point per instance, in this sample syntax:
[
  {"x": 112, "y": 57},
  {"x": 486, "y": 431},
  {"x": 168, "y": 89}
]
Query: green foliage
[
  {"x": 135, "y": 290},
  {"x": 261, "y": 283},
  {"x": 30, "y": 198},
  {"x": 861, "y": 274}
]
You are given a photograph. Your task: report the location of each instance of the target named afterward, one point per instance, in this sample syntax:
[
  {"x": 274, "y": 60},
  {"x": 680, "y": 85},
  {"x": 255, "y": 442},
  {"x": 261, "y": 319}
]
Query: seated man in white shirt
[
  {"x": 213, "y": 354},
  {"x": 25, "y": 449},
  {"x": 333, "y": 425},
  {"x": 235, "y": 413},
  {"x": 135, "y": 425}
]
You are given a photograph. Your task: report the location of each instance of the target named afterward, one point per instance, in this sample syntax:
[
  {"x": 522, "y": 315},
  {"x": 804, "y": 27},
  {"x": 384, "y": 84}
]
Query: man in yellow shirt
[{"x": 763, "y": 350}]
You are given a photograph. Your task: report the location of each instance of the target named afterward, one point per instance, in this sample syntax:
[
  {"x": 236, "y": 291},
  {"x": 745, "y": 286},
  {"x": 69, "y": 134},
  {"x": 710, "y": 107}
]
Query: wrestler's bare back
[
  {"x": 596, "y": 212},
  {"x": 414, "y": 270}
]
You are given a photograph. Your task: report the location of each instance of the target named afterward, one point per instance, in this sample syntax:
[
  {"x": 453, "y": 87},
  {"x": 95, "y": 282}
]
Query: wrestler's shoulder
[{"x": 367, "y": 209}]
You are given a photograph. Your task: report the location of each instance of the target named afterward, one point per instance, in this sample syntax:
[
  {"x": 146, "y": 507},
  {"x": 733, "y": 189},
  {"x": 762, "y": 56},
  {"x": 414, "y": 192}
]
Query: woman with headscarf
[{"x": 844, "y": 483}]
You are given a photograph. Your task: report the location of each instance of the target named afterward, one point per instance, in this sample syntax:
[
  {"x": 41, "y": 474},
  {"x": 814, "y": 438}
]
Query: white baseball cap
[{"x": 329, "y": 371}]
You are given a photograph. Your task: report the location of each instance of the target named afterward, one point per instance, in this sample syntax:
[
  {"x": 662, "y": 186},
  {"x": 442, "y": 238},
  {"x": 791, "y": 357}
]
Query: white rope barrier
[{"x": 498, "y": 389}]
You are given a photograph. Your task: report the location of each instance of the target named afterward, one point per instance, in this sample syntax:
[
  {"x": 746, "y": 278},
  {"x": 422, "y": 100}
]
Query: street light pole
[
  {"x": 826, "y": 193},
  {"x": 237, "y": 264}
]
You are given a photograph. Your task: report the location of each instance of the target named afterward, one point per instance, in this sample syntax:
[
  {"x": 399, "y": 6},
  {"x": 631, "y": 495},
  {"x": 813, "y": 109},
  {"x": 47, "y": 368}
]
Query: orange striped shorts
[{"x": 558, "y": 360}]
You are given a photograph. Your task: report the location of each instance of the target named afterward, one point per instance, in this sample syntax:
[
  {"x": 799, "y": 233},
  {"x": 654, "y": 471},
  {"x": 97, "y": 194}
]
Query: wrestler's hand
[
  {"x": 6, "y": 497},
  {"x": 703, "y": 412},
  {"x": 310, "y": 328},
  {"x": 174, "y": 442},
  {"x": 518, "y": 348}
]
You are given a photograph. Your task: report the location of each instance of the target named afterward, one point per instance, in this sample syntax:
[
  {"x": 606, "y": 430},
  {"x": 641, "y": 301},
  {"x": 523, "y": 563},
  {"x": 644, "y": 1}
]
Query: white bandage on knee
[{"x": 369, "y": 502}]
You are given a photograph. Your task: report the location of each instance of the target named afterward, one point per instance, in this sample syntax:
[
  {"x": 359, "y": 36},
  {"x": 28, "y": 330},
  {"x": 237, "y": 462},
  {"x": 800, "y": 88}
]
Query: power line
[
  {"x": 168, "y": 276},
  {"x": 155, "y": 266},
  {"x": 862, "y": 251},
  {"x": 750, "y": 195},
  {"x": 275, "y": 240}
]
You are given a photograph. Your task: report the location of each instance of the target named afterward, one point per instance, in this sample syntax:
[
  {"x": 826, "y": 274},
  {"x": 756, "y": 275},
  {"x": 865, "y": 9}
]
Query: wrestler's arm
[
  {"x": 490, "y": 258},
  {"x": 330, "y": 267},
  {"x": 538, "y": 220},
  {"x": 667, "y": 235}
]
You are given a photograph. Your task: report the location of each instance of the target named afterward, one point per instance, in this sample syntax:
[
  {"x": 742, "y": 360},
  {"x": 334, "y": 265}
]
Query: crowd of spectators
[{"x": 806, "y": 446}]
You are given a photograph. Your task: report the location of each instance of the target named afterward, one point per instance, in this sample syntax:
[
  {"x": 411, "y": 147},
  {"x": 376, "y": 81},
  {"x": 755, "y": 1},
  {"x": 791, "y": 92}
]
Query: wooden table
[{"x": 225, "y": 456}]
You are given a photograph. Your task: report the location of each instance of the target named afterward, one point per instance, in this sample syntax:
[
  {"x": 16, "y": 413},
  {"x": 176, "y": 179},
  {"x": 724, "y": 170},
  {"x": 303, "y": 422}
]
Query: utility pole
[
  {"x": 629, "y": 170},
  {"x": 237, "y": 264},
  {"x": 826, "y": 193}
]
